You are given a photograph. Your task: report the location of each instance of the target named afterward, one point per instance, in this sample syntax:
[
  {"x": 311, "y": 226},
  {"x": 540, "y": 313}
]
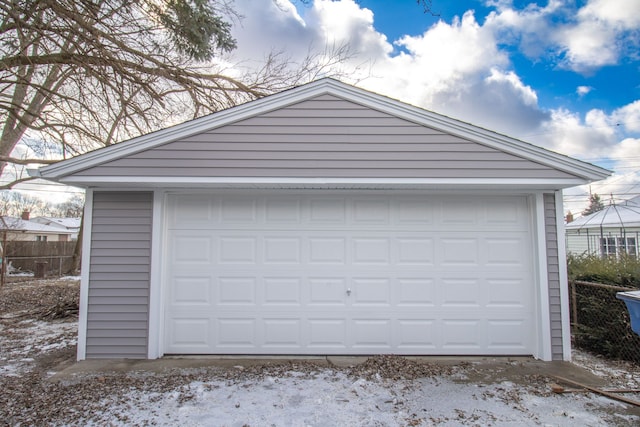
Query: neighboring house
[
  {"x": 69, "y": 224},
  {"x": 323, "y": 220},
  {"x": 613, "y": 231},
  {"x": 23, "y": 229}
]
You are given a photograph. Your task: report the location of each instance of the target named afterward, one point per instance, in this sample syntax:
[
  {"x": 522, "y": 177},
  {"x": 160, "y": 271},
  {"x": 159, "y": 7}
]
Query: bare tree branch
[{"x": 25, "y": 162}]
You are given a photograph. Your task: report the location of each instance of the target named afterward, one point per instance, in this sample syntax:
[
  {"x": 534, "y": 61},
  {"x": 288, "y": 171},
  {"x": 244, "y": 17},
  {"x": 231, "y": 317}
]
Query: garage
[
  {"x": 348, "y": 273},
  {"x": 324, "y": 219}
]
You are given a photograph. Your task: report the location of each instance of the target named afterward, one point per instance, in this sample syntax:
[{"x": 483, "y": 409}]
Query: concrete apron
[{"x": 481, "y": 369}]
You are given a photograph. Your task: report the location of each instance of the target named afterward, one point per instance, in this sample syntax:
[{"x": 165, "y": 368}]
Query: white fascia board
[
  {"x": 147, "y": 182},
  {"x": 92, "y": 180},
  {"x": 350, "y": 93}
]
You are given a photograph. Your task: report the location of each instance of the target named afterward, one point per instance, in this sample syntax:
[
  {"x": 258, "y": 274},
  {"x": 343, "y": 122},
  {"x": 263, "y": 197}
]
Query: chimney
[
  {"x": 25, "y": 215},
  {"x": 569, "y": 217}
]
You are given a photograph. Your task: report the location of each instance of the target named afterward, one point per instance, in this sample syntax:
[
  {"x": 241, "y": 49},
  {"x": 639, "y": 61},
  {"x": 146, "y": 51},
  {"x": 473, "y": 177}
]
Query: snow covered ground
[
  {"x": 329, "y": 398},
  {"x": 385, "y": 391}
]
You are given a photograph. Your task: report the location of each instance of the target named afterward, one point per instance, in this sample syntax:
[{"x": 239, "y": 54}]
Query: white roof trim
[
  {"x": 394, "y": 107},
  {"x": 544, "y": 183}
]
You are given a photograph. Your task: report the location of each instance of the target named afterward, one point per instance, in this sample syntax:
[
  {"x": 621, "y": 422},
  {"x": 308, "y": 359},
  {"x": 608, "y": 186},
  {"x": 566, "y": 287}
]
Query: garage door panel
[
  {"x": 237, "y": 250},
  {"x": 188, "y": 210},
  {"x": 325, "y": 210},
  {"x": 282, "y": 291},
  {"x": 341, "y": 274},
  {"x": 368, "y": 250},
  {"x": 327, "y": 333},
  {"x": 282, "y": 333},
  {"x": 371, "y": 212},
  {"x": 327, "y": 250},
  {"x": 506, "y": 293},
  {"x": 416, "y": 334},
  {"x": 461, "y": 334},
  {"x": 372, "y": 334},
  {"x": 191, "y": 248},
  {"x": 190, "y": 291},
  {"x": 282, "y": 210},
  {"x": 459, "y": 252},
  {"x": 460, "y": 293},
  {"x": 506, "y": 252},
  {"x": 457, "y": 213},
  {"x": 237, "y": 210},
  {"x": 415, "y": 292},
  {"x": 236, "y": 332},
  {"x": 412, "y": 212},
  {"x": 507, "y": 334},
  {"x": 367, "y": 292},
  {"x": 327, "y": 291},
  {"x": 415, "y": 251},
  {"x": 234, "y": 291},
  {"x": 190, "y": 334}
]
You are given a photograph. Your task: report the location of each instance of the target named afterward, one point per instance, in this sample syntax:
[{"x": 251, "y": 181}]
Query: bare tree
[
  {"x": 72, "y": 208},
  {"x": 76, "y": 75},
  {"x": 14, "y": 203}
]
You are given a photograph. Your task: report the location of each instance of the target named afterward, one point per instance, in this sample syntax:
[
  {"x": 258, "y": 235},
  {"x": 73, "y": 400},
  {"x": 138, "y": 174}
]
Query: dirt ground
[{"x": 40, "y": 383}]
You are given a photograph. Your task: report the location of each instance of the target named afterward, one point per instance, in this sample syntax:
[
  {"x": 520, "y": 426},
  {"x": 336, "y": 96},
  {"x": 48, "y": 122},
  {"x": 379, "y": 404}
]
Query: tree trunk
[{"x": 76, "y": 258}]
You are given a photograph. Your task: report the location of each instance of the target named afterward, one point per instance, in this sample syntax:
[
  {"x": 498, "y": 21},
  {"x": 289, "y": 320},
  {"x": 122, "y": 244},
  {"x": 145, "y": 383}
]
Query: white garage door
[{"x": 348, "y": 274}]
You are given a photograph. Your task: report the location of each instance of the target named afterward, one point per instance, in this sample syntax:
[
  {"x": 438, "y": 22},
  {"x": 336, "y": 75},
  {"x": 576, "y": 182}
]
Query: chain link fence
[{"x": 600, "y": 322}]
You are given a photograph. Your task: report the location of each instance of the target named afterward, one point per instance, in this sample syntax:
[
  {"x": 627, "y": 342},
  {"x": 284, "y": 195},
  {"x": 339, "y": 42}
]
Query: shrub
[{"x": 622, "y": 271}]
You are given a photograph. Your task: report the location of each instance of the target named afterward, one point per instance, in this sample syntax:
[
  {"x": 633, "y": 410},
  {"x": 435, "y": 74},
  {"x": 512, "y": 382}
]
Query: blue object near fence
[{"x": 632, "y": 301}]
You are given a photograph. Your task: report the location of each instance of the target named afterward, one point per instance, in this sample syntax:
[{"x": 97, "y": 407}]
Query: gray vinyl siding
[
  {"x": 324, "y": 137},
  {"x": 553, "y": 276},
  {"x": 119, "y": 277}
]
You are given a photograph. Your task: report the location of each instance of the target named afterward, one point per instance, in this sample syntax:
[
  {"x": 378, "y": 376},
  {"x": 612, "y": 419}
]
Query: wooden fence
[{"x": 53, "y": 258}]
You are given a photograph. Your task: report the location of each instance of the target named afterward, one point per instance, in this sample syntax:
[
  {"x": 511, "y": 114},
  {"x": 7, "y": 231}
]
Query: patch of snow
[
  {"x": 330, "y": 398},
  {"x": 27, "y": 338},
  {"x": 624, "y": 374}
]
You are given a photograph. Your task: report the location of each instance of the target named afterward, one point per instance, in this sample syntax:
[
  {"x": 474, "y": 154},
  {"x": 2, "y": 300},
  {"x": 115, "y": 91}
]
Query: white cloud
[
  {"x": 583, "y": 90},
  {"x": 583, "y": 39},
  {"x": 628, "y": 116},
  {"x": 567, "y": 133},
  {"x": 459, "y": 68}
]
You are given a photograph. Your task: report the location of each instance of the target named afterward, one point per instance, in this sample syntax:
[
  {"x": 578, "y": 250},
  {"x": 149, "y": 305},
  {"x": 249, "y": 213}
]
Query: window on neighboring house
[
  {"x": 627, "y": 245},
  {"x": 41, "y": 238},
  {"x": 608, "y": 246},
  {"x": 612, "y": 246}
]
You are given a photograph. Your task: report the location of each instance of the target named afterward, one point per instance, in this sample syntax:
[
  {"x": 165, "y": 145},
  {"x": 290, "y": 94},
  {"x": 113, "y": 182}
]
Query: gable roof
[
  {"x": 99, "y": 167},
  {"x": 72, "y": 224},
  {"x": 11, "y": 223}
]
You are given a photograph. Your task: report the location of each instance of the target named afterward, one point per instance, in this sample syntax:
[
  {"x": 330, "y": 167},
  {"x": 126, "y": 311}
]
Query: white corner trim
[
  {"x": 154, "y": 345},
  {"x": 564, "y": 278},
  {"x": 544, "y": 319},
  {"x": 84, "y": 276}
]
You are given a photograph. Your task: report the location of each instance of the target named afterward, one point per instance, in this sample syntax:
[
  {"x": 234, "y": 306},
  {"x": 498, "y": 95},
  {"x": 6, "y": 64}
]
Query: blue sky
[{"x": 561, "y": 74}]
